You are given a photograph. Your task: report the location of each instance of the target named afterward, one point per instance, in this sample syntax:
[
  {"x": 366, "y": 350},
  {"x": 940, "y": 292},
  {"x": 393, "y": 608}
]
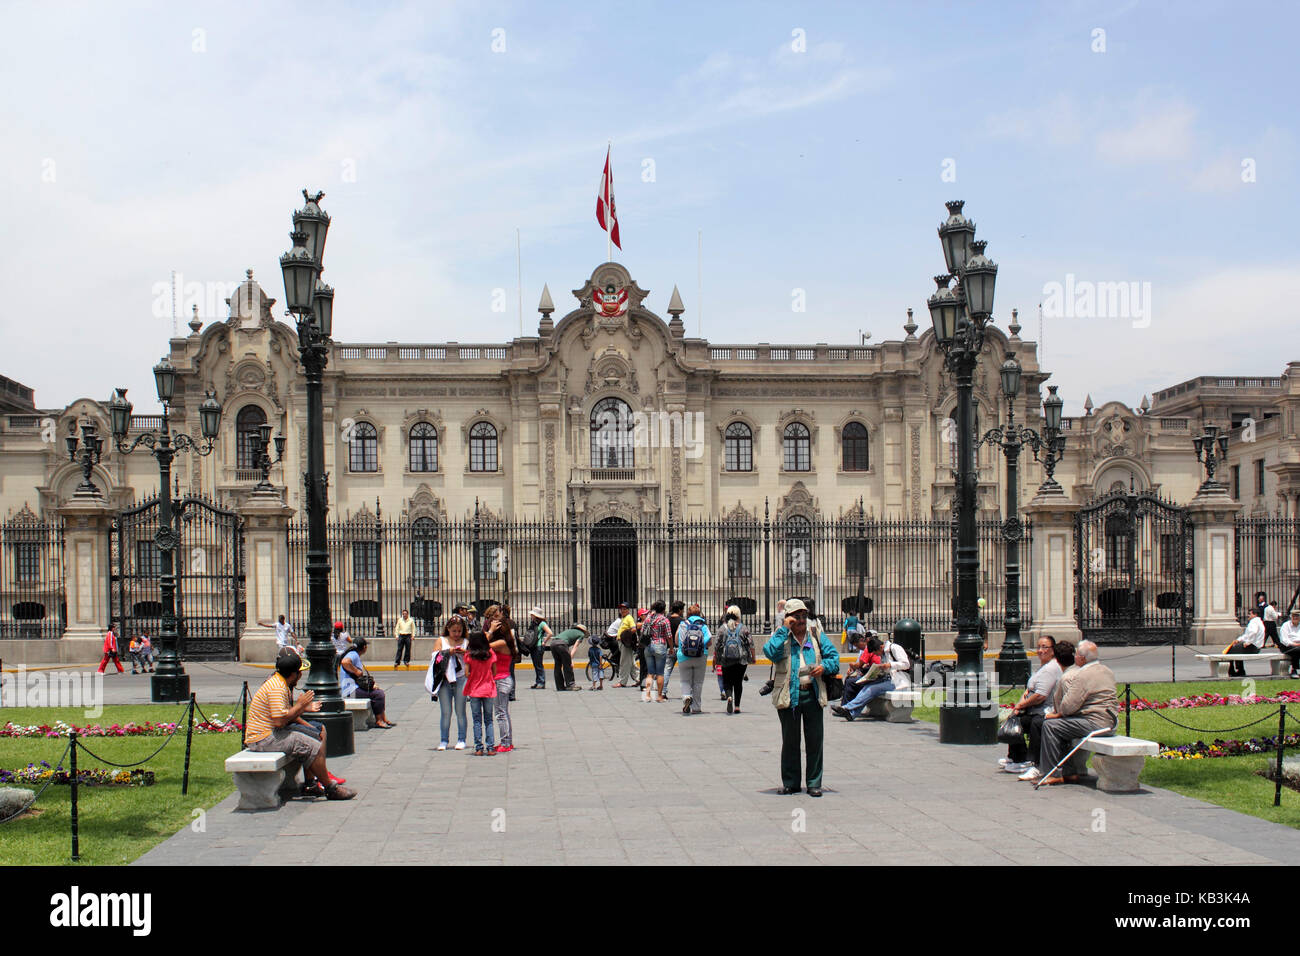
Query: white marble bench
[
  {"x": 359, "y": 708},
  {"x": 1119, "y": 760},
  {"x": 1219, "y": 662},
  {"x": 262, "y": 780},
  {"x": 894, "y": 706}
]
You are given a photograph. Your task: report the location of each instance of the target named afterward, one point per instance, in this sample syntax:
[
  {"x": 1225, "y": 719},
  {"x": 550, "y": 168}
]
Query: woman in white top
[
  {"x": 448, "y": 673},
  {"x": 1032, "y": 706}
]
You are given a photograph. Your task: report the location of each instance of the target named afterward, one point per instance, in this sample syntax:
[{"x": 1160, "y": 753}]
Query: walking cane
[{"x": 1091, "y": 734}]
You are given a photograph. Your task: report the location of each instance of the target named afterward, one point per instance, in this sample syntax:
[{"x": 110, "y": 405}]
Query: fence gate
[
  {"x": 209, "y": 564},
  {"x": 1133, "y": 570}
]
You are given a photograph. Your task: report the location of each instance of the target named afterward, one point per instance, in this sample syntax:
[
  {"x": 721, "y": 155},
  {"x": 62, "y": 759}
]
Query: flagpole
[
  {"x": 519, "y": 282},
  {"x": 699, "y": 284},
  {"x": 609, "y": 215}
]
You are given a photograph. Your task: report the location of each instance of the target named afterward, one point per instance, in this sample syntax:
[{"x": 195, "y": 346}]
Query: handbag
[
  {"x": 1011, "y": 730},
  {"x": 365, "y": 681},
  {"x": 834, "y": 686}
]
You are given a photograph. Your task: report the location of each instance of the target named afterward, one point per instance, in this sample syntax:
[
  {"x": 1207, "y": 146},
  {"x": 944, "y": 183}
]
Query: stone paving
[{"x": 601, "y": 777}]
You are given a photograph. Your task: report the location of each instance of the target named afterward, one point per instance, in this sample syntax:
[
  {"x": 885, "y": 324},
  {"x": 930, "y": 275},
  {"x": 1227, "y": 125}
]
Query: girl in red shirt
[{"x": 481, "y": 689}]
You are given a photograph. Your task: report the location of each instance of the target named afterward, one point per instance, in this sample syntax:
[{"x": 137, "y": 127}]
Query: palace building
[{"x": 610, "y": 410}]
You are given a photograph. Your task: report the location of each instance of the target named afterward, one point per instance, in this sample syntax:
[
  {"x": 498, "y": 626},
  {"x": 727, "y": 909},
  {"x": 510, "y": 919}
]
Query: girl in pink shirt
[{"x": 481, "y": 689}]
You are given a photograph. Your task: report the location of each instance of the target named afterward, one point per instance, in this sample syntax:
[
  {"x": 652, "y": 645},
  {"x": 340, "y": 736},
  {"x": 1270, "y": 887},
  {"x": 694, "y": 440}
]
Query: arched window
[
  {"x": 854, "y": 439},
  {"x": 796, "y": 447},
  {"x": 611, "y": 434},
  {"x": 483, "y": 447},
  {"x": 363, "y": 450},
  {"x": 948, "y": 435},
  {"x": 248, "y": 440},
  {"x": 424, "y": 447},
  {"x": 798, "y": 547},
  {"x": 739, "y": 442},
  {"x": 424, "y": 553}
]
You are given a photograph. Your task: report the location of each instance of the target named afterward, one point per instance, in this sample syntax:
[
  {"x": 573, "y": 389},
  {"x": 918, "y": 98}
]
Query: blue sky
[{"x": 145, "y": 138}]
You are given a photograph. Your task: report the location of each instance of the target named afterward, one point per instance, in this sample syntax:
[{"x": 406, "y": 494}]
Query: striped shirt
[{"x": 270, "y": 701}]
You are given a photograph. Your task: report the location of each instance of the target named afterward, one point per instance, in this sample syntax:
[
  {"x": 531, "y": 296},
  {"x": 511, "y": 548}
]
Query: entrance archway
[{"x": 613, "y": 564}]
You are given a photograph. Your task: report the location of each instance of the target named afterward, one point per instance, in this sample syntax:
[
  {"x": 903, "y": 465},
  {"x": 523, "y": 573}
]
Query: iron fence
[
  {"x": 33, "y": 602},
  {"x": 905, "y": 568},
  {"x": 1268, "y": 560}
]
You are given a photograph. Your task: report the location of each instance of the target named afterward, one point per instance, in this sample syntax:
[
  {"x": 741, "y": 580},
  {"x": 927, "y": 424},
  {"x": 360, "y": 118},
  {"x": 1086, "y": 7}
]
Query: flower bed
[
  {"x": 43, "y": 773},
  {"x": 1200, "y": 750},
  {"x": 148, "y": 729},
  {"x": 1211, "y": 700}
]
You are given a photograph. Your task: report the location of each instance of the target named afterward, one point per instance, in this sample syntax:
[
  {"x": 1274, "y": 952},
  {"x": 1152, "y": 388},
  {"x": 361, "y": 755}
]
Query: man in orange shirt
[{"x": 273, "y": 725}]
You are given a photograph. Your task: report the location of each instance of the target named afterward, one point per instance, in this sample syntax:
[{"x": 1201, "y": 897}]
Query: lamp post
[
  {"x": 87, "y": 454},
  {"x": 169, "y": 681},
  {"x": 311, "y": 302},
  {"x": 1211, "y": 449},
  {"x": 960, "y": 314},
  {"x": 263, "y": 459},
  {"x": 1012, "y": 664}
]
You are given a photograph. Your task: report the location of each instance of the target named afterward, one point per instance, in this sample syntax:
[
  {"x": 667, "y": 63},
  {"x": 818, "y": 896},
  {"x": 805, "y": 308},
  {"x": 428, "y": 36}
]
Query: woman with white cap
[
  {"x": 534, "y": 641},
  {"x": 733, "y": 652},
  {"x": 800, "y": 657}
]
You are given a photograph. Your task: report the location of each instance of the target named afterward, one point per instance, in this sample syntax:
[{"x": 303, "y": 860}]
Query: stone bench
[
  {"x": 262, "y": 780},
  {"x": 1119, "y": 760},
  {"x": 1219, "y": 662},
  {"x": 359, "y": 708},
  {"x": 894, "y": 706}
]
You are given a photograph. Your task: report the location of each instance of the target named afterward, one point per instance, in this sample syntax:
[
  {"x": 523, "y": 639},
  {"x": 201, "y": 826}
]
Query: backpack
[
  {"x": 733, "y": 647},
  {"x": 692, "y": 643}
]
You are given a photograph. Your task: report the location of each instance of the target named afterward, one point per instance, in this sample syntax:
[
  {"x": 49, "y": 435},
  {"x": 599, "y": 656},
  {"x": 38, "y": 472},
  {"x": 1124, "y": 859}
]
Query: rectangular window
[
  {"x": 1259, "y": 476},
  {"x": 855, "y": 559},
  {"x": 740, "y": 560},
  {"x": 1236, "y": 482},
  {"x": 27, "y": 563},
  {"x": 424, "y": 564},
  {"x": 148, "y": 560},
  {"x": 490, "y": 560},
  {"x": 365, "y": 560},
  {"x": 1117, "y": 552},
  {"x": 1171, "y": 554}
]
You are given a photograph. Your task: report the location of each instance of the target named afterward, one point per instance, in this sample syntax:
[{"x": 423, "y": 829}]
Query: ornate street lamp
[
  {"x": 311, "y": 302},
  {"x": 1211, "y": 449},
  {"x": 86, "y": 453},
  {"x": 1012, "y": 664},
  {"x": 960, "y": 316},
  {"x": 262, "y": 459},
  {"x": 169, "y": 682}
]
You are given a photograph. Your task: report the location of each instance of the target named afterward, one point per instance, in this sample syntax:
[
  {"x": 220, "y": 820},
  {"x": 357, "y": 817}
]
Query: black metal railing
[
  {"x": 380, "y": 566},
  {"x": 33, "y": 602},
  {"x": 1268, "y": 560}
]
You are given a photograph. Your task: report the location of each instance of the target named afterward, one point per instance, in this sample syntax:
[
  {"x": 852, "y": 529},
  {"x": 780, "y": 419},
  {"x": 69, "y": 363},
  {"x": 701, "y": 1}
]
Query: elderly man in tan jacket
[{"x": 1084, "y": 702}]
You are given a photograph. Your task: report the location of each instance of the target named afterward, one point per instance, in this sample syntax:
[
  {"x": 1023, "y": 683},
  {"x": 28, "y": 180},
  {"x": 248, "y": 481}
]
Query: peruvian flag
[{"x": 605, "y": 204}]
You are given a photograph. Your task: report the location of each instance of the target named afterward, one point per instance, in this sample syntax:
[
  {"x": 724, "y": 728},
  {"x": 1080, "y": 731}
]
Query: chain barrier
[
  {"x": 49, "y": 783},
  {"x": 1212, "y": 730},
  {"x": 111, "y": 763}
]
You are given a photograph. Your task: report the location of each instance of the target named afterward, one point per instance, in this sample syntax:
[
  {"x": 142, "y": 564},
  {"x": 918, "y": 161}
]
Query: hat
[
  {"x": 338, "y": 625},
  {"x": 794, "y": 604},
  {"x": 537, "y": 612},
  {"x": 623, "y": 604},
  {"x": 580, "y": 627},
  {"x": 642, "y": 612},
  {"x": 287, "y": 661}
]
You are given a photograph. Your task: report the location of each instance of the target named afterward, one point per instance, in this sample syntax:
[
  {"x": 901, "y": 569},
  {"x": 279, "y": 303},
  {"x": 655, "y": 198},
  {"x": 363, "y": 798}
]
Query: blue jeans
[
  {"x": 449, "y": 695},
  {"x": 669, "y": 664},
  {"x": 595, "y": 660},
  {"x": 481, "y": 709},
  {"x": 656, "y": 655},
  {"x": 867, "y": 694},
  {"x": 505, "y": 687}
]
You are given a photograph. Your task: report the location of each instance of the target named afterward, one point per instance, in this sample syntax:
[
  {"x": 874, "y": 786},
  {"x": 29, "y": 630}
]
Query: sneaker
[
  {"x": 686, "y": 705},
  {"x": 505, "y": 748},
  {"x": 460, "y": 745},
  {"x": 731, "y": 706},
  {"x": 478, "y": 752},
  {"x": 334, "y": 779},
  {"x": 442, "y": 746},
  {"x": 1003, "y": 761},
  {"x": 313, "y": 789},
  {"x": 1017, "y": 768},
  {"x": 1030, "y": 775}
]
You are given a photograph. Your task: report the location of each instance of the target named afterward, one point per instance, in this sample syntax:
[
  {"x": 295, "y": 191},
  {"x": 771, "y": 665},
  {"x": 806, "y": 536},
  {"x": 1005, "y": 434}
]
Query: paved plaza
[{"x": 601, "y": 777}]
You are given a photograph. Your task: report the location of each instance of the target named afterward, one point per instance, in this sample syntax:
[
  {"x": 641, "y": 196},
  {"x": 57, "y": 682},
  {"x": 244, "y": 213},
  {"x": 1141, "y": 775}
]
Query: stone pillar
[
  {"x": 87, "y": 522},
  {"x": 266, "y": 574},
  {"x": 1051, "y": 569},
  {"x": 1214, "y": 618}
]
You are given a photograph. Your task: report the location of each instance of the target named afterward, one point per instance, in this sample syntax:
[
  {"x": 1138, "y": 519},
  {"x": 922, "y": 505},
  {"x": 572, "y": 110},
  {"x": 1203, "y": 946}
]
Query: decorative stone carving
[
  {"x": 425, "y": 504},
  {"x": 549, "y": 487},
  {"x": 916, "y": 471},
  {"x": 798, "y": 501}
]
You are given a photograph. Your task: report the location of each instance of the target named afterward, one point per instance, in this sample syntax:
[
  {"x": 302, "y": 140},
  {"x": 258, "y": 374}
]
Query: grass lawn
[
  {"x": 1229, "y": 782},
  {"x": 116, "y": 824}
]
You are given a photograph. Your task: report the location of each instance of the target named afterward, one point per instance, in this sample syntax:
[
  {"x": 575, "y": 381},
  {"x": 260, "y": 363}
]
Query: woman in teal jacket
[{"x": 799, "y": 693}]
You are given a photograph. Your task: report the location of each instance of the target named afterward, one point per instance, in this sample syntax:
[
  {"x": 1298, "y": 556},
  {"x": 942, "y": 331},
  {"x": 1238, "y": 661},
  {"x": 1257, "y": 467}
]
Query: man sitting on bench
[
  {"x": 274, "y": 724},
  {"x": 1085, "y": 701},
  {"x": 1288, "y": 639},
  {"x": 1251, "y": 641}
]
